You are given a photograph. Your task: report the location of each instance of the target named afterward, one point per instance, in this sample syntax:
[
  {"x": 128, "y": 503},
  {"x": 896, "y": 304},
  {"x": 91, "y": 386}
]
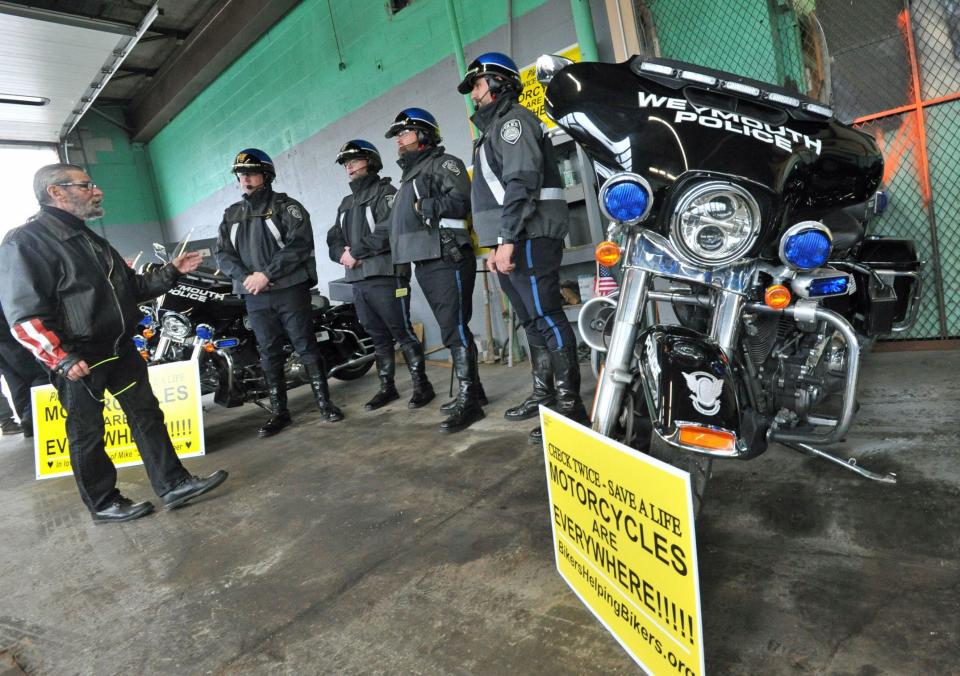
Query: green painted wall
[
  {"x": 755, "y": 38},
  {"x": 119, "y": 167},
  {"x": 288, "y": 85}
]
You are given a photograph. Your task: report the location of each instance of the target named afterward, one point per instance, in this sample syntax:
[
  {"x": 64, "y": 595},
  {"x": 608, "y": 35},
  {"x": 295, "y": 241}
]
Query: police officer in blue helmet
[
  {"x": 360, "y": 241},
  {"x": 428, "y": 227},
  {"x": 265, "y": 245},
  {"x": 520, "y": 211}
]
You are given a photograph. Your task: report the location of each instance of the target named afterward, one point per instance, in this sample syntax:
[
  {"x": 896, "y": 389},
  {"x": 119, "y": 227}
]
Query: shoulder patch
[
  {"x": 510, "y": 131},
  {"x": 451, "y": 166},
  {"x": 294, "y": 211}
]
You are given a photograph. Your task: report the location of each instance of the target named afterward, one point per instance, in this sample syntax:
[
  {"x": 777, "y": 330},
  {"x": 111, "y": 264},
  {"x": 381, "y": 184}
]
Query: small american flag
[{"x": 605, "y": 283}]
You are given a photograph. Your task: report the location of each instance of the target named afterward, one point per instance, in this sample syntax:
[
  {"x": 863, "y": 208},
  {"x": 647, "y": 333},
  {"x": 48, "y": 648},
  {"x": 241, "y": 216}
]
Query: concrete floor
[{"x": 378, "y": 546}]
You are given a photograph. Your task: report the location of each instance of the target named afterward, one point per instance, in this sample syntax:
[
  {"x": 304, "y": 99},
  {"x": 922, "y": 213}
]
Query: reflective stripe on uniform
[
  {"x": 273, "y": 231},
  {"x": 551, "y": 194},
  {"x": 491, "y": 178},
  {"x": 370, "y": 220},
  {"x": 233, "y": 234},
  {"x": 453, "y": 223}
]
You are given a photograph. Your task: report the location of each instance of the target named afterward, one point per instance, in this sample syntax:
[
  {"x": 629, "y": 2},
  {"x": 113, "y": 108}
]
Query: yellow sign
[
  {"x": 624, "y": 541},
  {"x": 177, "y": 388},
  {"x": 532, "y": 95}
]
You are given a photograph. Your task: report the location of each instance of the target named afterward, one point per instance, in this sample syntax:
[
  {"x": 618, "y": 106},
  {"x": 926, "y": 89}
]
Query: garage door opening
[{"x": 18, "y": 164}]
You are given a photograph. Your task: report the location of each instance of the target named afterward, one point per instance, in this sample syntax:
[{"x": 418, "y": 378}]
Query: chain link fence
[{"x": 891, "y": 67}]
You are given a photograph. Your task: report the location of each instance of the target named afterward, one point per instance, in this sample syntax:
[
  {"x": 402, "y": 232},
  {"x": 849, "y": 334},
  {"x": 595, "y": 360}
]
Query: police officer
[
  {"x": 265, "y": 244},
  {"x": 359, "y": 240},
  {"x": 428, "y": 227},
  {"x": 518, "y": 208}
]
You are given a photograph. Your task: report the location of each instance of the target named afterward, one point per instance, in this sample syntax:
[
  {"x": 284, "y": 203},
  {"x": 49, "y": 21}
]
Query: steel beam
[{"x": 222, "y": 36}]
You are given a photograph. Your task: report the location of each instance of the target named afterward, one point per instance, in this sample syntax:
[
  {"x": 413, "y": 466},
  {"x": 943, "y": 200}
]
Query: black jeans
[
  {"x": 533, "y": 288},
  {"x": 281, "y": 315},
  {"x": 448, "y": 288},
  {"x": 126, "y": 378}
]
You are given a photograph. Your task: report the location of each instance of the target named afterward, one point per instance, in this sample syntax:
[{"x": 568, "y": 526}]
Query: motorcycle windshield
[{"x": 688, "y": 119}]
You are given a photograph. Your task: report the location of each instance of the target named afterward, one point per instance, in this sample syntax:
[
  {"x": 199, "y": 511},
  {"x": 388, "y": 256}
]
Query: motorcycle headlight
[
  {"x": 176, "y": 326},
  {"x": 806, "y": 245},
  {"x": 715, "y": 223},
  {"x": 626, "y": 198}
]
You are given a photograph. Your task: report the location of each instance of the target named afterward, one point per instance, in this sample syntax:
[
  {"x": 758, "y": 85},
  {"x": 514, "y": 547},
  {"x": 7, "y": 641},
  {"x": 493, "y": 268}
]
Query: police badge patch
[
  {"x": 452, "y": 167},
  {"x": 295, "y": 211},
  {"x": 510, "y": 131}
]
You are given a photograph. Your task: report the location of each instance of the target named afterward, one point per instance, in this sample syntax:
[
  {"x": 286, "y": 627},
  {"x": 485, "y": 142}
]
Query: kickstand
[
  {"x": 851, "y": 464},
  {"x": 260, "y": 403}
]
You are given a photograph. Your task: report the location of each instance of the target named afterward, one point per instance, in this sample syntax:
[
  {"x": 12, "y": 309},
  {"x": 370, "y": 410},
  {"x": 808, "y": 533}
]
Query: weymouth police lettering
[
  {"x": 193, "y": 293},
  {"x": 783, "y": 137}
]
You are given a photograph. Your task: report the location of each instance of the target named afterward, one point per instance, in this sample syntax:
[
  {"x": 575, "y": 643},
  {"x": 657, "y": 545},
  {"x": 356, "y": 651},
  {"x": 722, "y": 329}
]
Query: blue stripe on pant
[
  {"x": 448, "y": 288},
  {"x": 533, "y": 288}
]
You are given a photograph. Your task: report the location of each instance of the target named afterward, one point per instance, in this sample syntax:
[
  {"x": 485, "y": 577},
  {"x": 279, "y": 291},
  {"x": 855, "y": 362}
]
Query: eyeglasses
[{"x": 83, "y": 185}]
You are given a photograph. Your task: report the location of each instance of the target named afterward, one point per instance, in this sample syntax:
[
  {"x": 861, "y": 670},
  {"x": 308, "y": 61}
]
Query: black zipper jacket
[{"x": 68, "y": 294}]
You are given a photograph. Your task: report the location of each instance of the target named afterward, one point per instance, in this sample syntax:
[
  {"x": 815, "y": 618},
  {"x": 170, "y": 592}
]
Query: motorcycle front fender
[{"x": 690, "y": 386}]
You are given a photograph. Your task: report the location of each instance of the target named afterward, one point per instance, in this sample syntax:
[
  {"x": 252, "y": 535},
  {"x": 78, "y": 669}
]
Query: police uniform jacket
[
  {"x": 68, "y": 294},
  {"x": 361, "y": 224},
  {"x": 516, "y": 191},
  {"x": 268, "y": 232},
  {"x": 439, "y": 183}
]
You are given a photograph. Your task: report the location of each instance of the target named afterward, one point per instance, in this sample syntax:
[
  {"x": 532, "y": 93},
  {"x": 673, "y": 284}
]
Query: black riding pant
[
  {"x": 448, "y": 288},
  {"x": 126, "y": 378},
  {"x": 22, "y": 372},
  {"x": 281, "y": 315},
  {"x": 533, "y": 288},
  {"x": 383, "y": 307}
]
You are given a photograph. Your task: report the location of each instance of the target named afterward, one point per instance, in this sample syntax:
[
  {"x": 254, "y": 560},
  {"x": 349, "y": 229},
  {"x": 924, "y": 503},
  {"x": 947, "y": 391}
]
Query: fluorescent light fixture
[{"x": 19, "y": 100}]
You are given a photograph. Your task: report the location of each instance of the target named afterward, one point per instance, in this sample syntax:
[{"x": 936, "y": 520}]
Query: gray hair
[{"x": 51, "y": 175}]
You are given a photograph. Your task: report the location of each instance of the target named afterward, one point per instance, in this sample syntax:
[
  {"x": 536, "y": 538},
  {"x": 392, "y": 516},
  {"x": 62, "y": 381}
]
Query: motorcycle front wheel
[
  {"x": 353, "y": 372},
  {"x": 634, "y": 430}
]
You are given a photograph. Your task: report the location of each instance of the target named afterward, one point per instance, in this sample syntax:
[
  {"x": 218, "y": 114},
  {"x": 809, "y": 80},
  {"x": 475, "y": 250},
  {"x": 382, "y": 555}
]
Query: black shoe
[
  {"x": 122, "y": 509},
  {"x": 329, "y": 411},
  {"x": 462, "y": 417},
  {"x": 541, "y": 368},
  {"x": 422, "y": 396},
  {"x": 452, "y": 404},
  {"x": 382, "y": 398},
  {"x": 192, "y": 487},
  {"x": 276, "y": 423},
  {"x": 9, "y": 427},
  {"x": 27, "y": 431},
  {"x": 321, "y": 394}
]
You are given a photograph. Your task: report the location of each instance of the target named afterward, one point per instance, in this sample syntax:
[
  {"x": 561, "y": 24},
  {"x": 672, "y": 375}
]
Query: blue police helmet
[
  {"x": 252, "y": 161},
  {"x": 421, "y": 121},
  {"x": 359, "y": 149},
  {"x": 502, "y": 71}
]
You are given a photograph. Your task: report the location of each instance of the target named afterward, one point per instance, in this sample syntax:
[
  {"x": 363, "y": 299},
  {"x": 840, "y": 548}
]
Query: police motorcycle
[
  {"x": 749, "y": 290},
  {"x": 201, "y": 319}
]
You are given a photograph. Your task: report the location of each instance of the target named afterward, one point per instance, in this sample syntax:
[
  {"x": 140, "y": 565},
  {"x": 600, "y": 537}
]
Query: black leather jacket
[{"x": 68, "y": 294}]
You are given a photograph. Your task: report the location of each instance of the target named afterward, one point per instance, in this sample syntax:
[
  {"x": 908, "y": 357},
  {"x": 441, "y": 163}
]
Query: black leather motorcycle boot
[
  {"x": 386, "y": 367},
  {"x": 423, "y": 392},
  {"x": 481, "y": 395},
  {"x": 467, "y": 409},
  {"x": 566, "y": 375},
  {"x": 321, "y": 392},
  {"x": 280, "y": 417},
  {"x": 543, "y": 391}
]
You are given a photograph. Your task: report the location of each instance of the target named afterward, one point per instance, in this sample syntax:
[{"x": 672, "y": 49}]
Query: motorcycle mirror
[
  {"x": 160, "y": 251},
  {"x": 549, "y": 65}
]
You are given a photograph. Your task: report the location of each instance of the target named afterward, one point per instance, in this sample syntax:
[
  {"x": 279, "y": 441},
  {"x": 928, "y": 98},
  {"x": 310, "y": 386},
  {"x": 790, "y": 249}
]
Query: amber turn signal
[
  {"x": 148, "y": 333},
  {"x": 209, "y": 347},
  {"x": 705, "y": 437},
  {"x": 145, "y": 355},
  {"x": 777, "y": 296},
  {"x": 607, "y": 253}
]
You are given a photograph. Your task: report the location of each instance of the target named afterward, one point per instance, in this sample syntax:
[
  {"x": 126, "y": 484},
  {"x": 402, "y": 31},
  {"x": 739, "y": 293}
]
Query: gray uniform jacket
[
  {"x": 361, "y": 224},
  {"x": 268, "y": 232},
  {"x": 440, "y": 183},
  {"x": 516, "y": 192}
]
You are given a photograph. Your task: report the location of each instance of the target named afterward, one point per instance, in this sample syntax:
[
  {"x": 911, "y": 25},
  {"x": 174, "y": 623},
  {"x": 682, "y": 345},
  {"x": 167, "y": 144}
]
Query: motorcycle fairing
[{"x": 688, "y": 380}]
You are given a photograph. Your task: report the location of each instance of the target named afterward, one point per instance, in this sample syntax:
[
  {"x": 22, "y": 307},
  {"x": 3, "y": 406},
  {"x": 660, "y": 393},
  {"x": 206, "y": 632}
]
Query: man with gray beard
[{"x": 72, "y": 300}]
